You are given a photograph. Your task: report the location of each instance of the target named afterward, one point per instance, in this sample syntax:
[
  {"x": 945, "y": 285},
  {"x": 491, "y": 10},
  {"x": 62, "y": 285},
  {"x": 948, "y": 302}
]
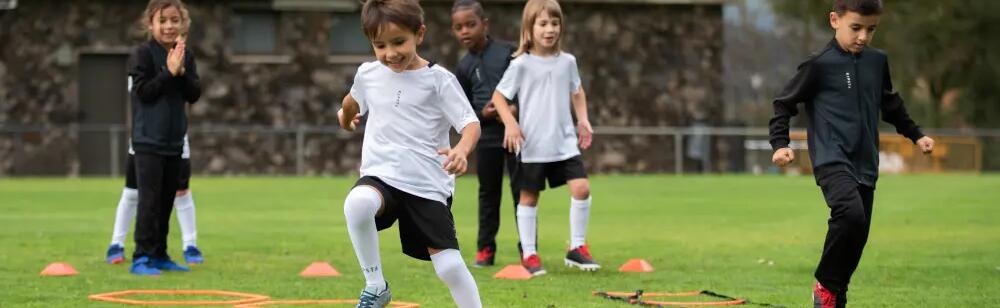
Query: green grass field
[{"x": 935, "y": 241}]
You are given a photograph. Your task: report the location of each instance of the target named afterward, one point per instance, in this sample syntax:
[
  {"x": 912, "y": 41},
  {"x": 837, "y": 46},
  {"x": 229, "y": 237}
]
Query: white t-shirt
[
  {"x": 544, "y": 87},
  {"x": 186, "y": 154},
  {"x": 409, "y": 116}
]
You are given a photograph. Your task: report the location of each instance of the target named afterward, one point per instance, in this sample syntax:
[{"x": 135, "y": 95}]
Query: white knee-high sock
[
  {"x": 359, "y": 210},
  {"x": 451, "y": 269},
  {"x": 527, "y": 225},
  {"x": 186, "y": 218},
  {"x": 579, "y": 214},
  {"x": 124, "y": 215}
]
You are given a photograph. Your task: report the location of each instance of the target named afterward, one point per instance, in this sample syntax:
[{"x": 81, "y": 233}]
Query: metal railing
[{"x": 117, "y": 146}]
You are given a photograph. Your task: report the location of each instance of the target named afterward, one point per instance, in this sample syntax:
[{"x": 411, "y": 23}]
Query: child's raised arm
[
  {"x": 349, "y": 110},
  {"x": 190, "y": 83},
  {"x": 147, "y": 82}
]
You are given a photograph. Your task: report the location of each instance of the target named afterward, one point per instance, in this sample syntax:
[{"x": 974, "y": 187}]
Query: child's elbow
[
  {"x": 498, "y": 97},
  {"x": 348, "y": 103},
  {"x": 193, "y": 96},
  {"x": 472, "y": 130}
]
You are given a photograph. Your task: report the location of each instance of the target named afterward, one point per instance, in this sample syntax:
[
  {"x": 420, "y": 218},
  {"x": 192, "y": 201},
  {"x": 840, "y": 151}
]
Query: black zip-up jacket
[
  {"x": 479, "y": 74},
  {"x": 159, "y": 121},
  {"x": 843, "y": 94}
]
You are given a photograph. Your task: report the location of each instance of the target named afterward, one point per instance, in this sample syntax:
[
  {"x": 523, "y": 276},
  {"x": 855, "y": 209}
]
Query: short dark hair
[
  {"x": 863, "y": 7},
  {"x": 473, "y": 5},
  {"x": 376, "y": 14}
]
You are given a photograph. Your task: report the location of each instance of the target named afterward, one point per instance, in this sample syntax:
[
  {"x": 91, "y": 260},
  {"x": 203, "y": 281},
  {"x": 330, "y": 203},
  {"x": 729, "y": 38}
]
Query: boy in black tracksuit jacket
[
  {"x": 844, "y": 88},
  {"x": 159, "y": 95},
  {"x": 478, "y": 73}
]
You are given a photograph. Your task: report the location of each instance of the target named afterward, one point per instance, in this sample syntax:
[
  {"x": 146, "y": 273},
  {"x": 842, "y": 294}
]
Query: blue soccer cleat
[
  {"x": 165, "y": 264},
  {"x": 143, "y": 267},
  {"x": 116, "y": 254},
  {"x": 193, "y": 256},
  {"x": 371, "y": 297}
]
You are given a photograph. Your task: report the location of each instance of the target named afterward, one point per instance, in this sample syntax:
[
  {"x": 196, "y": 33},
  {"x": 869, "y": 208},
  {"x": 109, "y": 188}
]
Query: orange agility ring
[
  {"x": 244, "y": 298},
  {"x": 394, "y": 304},
  {"x": 639, "y": 298}
]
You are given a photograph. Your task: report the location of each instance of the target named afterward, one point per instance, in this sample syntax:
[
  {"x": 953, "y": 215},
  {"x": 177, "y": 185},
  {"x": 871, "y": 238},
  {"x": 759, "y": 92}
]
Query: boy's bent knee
[
  {"x": 447, "y": 263},
  {"x": 362, "y": 201},
  {"x": 855, "y": 218}
]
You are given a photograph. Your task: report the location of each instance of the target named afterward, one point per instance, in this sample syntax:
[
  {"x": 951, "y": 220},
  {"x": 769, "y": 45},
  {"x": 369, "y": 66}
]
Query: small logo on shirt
[
  {"x": 848, "y": 75},
  {"x": 398, "y": 94}
]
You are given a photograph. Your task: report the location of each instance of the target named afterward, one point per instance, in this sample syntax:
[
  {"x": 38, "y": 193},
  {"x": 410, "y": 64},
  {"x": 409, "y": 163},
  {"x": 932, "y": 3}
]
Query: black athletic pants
[
  {"x": 850, "y": 219},
  {"x": 157, "y": 180},
  {"x": 490, "y": 166}
]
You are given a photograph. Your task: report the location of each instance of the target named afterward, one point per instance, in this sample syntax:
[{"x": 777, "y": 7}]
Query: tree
[{"x": 943, "y": 55}]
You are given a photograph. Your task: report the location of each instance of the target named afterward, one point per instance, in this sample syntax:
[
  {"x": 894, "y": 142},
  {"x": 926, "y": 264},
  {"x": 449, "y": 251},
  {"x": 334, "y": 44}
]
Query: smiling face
[
  {"x": 469, "y": 28},
  {"x": 545, "y": 33},
  {"x": 166, "y": 26},
  {"x": 853, "y": 30},
  {"x": 396, "y": 47}
]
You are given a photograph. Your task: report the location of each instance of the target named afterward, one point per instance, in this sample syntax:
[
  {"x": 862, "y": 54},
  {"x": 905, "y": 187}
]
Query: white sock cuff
[
  {"x": 446, "y": 255},
  {"x": 584, "y": 202},
  {"x": 184, "y": 202},
  {"x": 449, "y": 266},
  {"x": 130, "y": 193},
  {"x": 527, "y": 211}
]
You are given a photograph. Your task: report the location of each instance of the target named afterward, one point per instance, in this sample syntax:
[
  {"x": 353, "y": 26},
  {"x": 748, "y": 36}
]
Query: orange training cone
[
  {"x": 636, "y": 266},
  {"x": 513, "y": 272},
  {"x": 59, "y": 269},
  {"x": 319, "y": 269}
]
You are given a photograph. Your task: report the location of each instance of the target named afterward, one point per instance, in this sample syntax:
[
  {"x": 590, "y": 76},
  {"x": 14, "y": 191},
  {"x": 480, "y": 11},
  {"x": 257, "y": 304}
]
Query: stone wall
[{"x": 642, "y": 65}]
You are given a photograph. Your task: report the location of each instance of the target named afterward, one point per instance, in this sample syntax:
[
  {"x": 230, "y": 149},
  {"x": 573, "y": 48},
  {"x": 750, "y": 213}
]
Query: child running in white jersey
[
  {"x": 546, "y": 82},
  {"x": 408, "y": 167}
]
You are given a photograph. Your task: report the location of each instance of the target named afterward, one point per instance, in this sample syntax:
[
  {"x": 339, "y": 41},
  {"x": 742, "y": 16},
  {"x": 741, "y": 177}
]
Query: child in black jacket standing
[
  {"x": 478, "y": 72},
  {"x": 164, "y": 79}
]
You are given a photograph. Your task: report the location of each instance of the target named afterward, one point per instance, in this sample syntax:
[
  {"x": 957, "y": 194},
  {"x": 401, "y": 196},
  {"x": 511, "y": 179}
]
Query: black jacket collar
[
  {"x": 836, "y": 46},
  {"x": 489, "y": 41}
]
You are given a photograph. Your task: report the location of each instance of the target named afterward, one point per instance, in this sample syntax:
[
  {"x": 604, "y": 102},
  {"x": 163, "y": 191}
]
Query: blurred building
[{"x": 270, "y": 68}]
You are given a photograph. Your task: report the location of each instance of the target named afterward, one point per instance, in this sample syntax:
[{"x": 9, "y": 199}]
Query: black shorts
[
  {"x": 184, "y": 181},
  {"x": 423, "y": 222},
  {"x": 532, "y": 176}
]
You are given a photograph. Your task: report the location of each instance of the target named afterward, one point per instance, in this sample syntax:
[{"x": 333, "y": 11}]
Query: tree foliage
[{"x": 944, "y": 55}]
